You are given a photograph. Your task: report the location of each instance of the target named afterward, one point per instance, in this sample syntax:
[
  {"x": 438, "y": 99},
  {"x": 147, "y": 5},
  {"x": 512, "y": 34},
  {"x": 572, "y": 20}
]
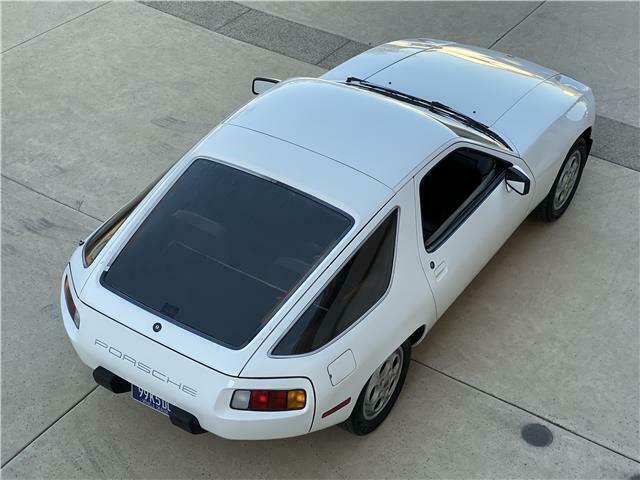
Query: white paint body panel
[
  {"x": 321, "y": 177},
  {"x": 483, "y": 92},
  {"x": 370, "y": 134},
  {"x": 341, "y": 367},
  {"x": 472, "y": 245},
  {"x": 408, "y": 305},
  {"x": 545, "y": 124},
  {"x": 102, "y": 341},
  {"x": 365, "y": 154},
  {"x": 379, "y": 58}
]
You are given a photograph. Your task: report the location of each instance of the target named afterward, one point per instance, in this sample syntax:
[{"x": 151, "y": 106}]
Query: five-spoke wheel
[
  {"x": 380, "y": 393},
  {"x": 565, "y": 185}
]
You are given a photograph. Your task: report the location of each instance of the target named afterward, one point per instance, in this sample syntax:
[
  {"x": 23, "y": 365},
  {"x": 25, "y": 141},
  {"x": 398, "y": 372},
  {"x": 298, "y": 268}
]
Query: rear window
[{"x": 223, "y": 249}]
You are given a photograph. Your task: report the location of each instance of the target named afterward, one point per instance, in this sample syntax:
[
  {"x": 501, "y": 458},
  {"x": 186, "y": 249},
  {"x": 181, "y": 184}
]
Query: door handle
[{"x": 441, "y": 270}]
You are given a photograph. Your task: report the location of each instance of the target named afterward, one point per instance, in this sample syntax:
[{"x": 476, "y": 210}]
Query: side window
[
  {"x": 361, "y": 282},
  {"x": 452, "y": 189}
]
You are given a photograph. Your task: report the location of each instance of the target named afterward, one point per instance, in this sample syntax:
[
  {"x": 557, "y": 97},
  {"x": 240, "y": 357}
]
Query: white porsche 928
[{"x": 274, "y": 280}]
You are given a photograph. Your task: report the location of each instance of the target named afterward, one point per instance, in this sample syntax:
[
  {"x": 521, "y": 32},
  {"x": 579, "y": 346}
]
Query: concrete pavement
[
  {"x": 373, "y": 23},
  {"x": 91, "y": 140},
  {"x": 551, "y": 324},
  {"x": 97, "y": 99},
  {"x": 129, "y": 90},
  {"x": 595, "y": 42},
  {"x": 583, "y": 40},
  {"x": 38, "y": 235},
  {"x": 28, "y": 20},
  {"x": 439, "y": 429}
]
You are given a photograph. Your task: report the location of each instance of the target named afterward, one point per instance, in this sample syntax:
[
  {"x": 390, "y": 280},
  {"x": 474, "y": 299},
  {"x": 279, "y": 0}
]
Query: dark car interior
[
  {"x": 451, "y": 186},
  {"x": 359, "y": 284}
]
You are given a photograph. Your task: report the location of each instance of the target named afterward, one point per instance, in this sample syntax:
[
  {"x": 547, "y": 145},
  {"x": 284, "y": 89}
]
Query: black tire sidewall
[
  {"x": 361, "y": 426},
  {"x": 552, "y": 213}
]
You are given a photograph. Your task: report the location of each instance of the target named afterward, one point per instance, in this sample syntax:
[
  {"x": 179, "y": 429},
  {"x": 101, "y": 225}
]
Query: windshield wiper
[{"x": 434, "y": 106}]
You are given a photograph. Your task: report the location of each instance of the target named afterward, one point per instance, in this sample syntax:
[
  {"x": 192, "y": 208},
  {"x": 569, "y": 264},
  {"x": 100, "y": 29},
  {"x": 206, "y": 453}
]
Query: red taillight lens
[
  {"x": 71, "y": 306},
  {"x": 259, "y": 400},
  {"x": 268, "y": 400}
]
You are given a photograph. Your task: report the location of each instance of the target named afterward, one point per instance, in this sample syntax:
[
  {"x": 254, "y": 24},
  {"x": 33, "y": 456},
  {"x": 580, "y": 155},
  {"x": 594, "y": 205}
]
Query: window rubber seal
[{"x": 467, "y": 210}]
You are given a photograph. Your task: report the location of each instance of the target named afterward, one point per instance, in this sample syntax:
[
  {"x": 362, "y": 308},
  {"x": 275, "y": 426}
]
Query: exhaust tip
[
  {"x": 180, "y": 418},
  {"x": 111, "y": 381},
  {"x": 185, "y": 420}
]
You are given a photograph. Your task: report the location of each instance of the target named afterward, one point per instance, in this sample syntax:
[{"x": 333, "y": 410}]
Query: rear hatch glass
[{"x": 222, "y": 250}]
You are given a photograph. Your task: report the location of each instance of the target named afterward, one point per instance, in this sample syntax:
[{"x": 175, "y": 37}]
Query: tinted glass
[
  {"x": 450, "y": 185},
  {"x": 108, "y": 229},
  {"x": 354, "y": 290},
  {"x": 222, "y": 250}
]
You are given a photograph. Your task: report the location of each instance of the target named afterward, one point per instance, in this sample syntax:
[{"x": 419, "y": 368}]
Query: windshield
[{"x": 223, "y": 249}]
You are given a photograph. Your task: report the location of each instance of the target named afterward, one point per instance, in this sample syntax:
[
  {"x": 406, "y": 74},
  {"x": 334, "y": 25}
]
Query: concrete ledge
[
  {"x": 616, "y": 142},
  {"x": 210, "y": 15}
]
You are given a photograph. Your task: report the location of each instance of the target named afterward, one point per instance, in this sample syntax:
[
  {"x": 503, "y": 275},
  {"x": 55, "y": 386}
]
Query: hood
[{"x": 480, "y": 83}]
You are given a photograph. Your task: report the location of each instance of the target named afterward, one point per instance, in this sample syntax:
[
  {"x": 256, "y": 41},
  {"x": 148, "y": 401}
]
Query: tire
[
  {"x": 365, "y": 418},
  {"x": 565, "y": 185}
]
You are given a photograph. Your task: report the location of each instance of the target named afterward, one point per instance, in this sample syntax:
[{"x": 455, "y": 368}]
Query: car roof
[
  {"x": 381, "y": 138},
  {"x": 358, "y": 195}
]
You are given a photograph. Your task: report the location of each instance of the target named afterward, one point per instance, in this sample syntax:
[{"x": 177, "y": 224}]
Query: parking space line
[
  {"x": 53, "y": 28},
  {"x": 50, "y": 198},
  {"x": 516, "y": 25},
  {"x": 537, "y": 415},
  {"x": 84, "y": 397},
  {"x": 614, "y": 141}
]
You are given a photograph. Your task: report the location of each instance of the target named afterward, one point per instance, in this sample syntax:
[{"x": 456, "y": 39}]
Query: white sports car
[{"x": 273, "y": 281}]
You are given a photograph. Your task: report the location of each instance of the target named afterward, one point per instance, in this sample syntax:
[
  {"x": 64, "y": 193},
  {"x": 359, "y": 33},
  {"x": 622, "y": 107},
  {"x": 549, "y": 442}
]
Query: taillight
[
  {"x": 268, "y": 400},
  {"x": 71, "y": 306}
]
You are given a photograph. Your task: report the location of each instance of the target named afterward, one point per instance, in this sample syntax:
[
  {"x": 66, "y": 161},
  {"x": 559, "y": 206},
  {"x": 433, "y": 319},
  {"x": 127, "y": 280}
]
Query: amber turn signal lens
[{"x": 296, "y": 399}]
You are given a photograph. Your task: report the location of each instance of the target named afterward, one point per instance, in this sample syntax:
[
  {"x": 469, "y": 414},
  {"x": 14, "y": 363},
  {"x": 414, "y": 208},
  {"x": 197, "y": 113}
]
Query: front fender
[{"x": 544, "y": 125}]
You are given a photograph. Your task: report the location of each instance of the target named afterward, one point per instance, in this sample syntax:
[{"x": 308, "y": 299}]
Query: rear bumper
[
  {"x": 191, "y": 386},
  {"x": 181, "y": 419}
]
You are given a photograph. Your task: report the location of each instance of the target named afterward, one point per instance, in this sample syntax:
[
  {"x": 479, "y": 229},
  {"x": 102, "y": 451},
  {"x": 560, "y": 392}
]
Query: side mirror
[
  {"x": 262, "y": 84},
  {"x": 517, "y": 180}
]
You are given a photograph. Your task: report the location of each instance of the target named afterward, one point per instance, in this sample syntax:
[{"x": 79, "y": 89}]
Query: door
[{"x": 466, "y": 211}]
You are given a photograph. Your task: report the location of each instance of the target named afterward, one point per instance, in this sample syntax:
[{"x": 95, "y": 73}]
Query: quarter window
[
  {"x": 452, "y": 189},
  {"x": 353, "y": 291}
]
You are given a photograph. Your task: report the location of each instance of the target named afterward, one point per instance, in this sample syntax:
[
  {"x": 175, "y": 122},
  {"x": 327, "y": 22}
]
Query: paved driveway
[{"x": 99, "y": 98}]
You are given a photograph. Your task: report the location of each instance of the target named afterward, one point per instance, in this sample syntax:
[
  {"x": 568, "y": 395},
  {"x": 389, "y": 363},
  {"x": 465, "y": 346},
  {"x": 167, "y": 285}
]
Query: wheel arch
[
  {"x": 418, "y": 335},
  {"x": 587, "y": 136}
]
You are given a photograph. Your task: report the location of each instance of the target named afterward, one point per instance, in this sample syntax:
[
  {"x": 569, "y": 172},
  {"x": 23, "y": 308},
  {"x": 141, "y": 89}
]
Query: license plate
[{"x": 150, "y": 400}]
